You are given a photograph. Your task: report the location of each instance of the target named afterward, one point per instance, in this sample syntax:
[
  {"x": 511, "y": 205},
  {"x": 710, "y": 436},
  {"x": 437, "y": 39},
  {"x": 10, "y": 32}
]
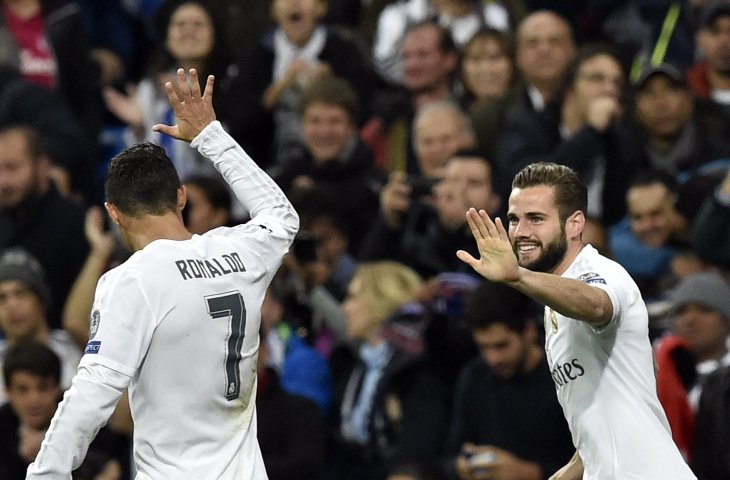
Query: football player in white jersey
[
  {"x": 178, "y": 322},
  {"x": 596, "y": 327}
]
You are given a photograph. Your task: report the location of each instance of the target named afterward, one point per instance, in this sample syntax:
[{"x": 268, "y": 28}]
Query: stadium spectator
[
  {"x": 34, "y": 216},
  {"x": 24, "y": 297}
]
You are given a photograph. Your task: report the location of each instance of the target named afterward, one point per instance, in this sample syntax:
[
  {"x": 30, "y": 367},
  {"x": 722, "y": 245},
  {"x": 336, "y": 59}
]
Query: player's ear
[
  {"x": 182, "y": 197},
  {"x": 111, "y": 209},
  {"x": 575, "y": 224}
]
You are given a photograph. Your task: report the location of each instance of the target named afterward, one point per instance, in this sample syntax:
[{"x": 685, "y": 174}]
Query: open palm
[
  {"x": 193, "y": 110},
  {"x": 497, "y": 261}
]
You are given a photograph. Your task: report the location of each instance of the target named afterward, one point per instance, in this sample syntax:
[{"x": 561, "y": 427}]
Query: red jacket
[
  {"x": 698, "y": 80},
  {"x": 673, "y": 394}
]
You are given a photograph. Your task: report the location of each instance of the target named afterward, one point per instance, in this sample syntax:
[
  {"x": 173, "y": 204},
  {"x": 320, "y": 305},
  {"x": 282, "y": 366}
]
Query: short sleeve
[
  {"x": 121, "y": 324},
  {"x": 613, "y": 287}
]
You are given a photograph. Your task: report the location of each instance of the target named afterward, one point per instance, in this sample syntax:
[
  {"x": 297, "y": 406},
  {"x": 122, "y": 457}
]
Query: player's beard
[{"x": 552, "y": 253}]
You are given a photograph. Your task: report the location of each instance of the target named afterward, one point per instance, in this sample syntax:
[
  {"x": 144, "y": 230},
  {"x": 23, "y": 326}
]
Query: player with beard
[{"x": 596, "y": 327}]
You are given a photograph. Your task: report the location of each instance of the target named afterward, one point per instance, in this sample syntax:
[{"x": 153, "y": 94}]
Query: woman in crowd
[
  {"x": 392, "y": 406},
  {"x": 487, "y": 67},
  {"x": 191, "y": 38}
]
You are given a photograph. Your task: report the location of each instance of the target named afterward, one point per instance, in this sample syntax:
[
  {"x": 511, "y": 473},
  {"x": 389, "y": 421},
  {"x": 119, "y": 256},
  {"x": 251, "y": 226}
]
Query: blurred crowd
[{"x": 383, "y": 357}]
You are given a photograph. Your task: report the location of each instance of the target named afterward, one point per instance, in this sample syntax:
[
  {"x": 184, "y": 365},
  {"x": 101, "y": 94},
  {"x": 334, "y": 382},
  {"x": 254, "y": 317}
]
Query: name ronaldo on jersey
[{"x": 210, "y": 267}]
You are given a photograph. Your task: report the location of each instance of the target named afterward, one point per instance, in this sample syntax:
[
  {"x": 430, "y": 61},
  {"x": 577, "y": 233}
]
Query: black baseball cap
[{"x": 666, "y": 69}]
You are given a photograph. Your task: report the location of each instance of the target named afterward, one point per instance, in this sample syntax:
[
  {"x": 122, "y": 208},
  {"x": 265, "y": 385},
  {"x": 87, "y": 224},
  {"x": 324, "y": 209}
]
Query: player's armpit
[{"x": 573, "y": 470}]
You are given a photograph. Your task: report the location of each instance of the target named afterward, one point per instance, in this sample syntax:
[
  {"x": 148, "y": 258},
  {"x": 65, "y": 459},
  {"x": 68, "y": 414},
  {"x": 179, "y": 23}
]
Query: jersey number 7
[{"x": 230, "y": 305}]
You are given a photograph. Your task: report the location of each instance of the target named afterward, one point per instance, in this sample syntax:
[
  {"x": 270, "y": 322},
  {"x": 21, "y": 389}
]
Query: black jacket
[
  {"x": 424, "y": 243},
  {"x": 711, "y": 451},
  {"x": 51, "y": 228},
  {"x": 520, "y": 414},
  {"x": 106, "y": 446},
  {"x": 348, "y": 187},
  {"x": 408, "y": 420},
  {"x": 291, "y": 432}
]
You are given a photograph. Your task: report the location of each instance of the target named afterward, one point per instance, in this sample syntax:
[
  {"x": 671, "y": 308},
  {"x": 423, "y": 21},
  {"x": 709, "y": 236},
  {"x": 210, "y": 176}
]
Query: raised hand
[
  {"x": 395, "y": 199},
  {"x": 193, "y": 111},
  {"x": 602, "y": 112},
  {"x": 125, "y": 107},
  {"x": 497, "y": 261},
  {"x": 102, "y": 242}
]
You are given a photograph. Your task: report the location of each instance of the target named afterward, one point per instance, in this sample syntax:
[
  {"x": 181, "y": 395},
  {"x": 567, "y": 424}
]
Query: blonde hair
[{"x": 386, "y": 286}]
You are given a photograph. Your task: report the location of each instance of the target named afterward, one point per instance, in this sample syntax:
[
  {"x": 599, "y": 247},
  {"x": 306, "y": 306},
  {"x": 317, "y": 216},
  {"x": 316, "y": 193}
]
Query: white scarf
[{"x": 285, "y": 52}]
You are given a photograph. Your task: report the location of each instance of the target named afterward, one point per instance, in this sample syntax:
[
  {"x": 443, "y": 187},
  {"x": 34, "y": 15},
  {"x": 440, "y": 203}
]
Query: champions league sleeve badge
[
  {"x": 591, "y": 277},
  {"x": 93, "y": 346},
  {"x": 94, "y": 323}
]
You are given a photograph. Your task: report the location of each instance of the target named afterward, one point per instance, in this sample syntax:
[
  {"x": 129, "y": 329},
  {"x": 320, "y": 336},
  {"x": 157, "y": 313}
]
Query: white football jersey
[
  {"x": 606, "y": 384},
  {"x": 180, "y": 320}
]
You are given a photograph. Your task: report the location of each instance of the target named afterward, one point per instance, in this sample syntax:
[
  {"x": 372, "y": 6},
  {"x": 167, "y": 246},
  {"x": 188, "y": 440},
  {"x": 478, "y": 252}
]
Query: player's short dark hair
[
  {"x": 332, "y": 91},
  {"x": 492, "y": 303},
  {"x": 32, "y": 357},
  {"x": 571, "y": 193},
  {"x": 142, "y": 180}
]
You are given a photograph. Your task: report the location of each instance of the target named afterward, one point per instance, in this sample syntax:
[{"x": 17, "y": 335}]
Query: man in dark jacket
[
  {"x": 69, "y": 147},
  {"x": 504, "y": 404},
  {"x": 425, "y": 232},
  {"x": 33, "y": 215}
]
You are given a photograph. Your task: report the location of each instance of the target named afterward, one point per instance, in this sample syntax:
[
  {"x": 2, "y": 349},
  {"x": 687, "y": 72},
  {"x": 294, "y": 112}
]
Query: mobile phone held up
[{"x": 421, "y": 186}]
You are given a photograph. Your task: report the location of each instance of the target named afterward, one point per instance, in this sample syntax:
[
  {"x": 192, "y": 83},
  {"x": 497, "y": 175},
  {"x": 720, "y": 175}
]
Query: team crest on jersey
[
  {"x": 94, "y": 323},
  {"x": 553, "y": 321},
  {"x": 592, "y": 277}
]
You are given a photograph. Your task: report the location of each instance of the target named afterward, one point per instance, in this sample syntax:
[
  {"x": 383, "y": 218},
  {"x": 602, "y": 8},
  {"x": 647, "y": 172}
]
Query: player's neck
[
  {"x": 574, "y": 249},
  {"x": 143, "y": 231}
]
